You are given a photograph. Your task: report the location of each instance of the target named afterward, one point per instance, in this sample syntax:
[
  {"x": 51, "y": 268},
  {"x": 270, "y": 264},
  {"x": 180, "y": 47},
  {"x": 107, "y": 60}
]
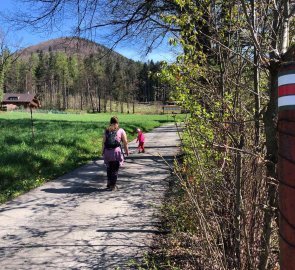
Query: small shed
[
  {"x": 171, "y": 107},
  {"x": 10, "y": 100}
]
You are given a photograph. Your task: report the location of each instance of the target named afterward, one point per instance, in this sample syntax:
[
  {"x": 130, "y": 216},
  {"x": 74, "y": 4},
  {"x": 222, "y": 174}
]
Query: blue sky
[{"x": 24, "y": 38}]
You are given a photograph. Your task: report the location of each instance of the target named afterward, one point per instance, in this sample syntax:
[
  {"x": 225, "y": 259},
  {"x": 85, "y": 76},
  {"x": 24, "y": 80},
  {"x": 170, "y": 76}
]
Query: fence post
[{"x": 32, "y": 124}]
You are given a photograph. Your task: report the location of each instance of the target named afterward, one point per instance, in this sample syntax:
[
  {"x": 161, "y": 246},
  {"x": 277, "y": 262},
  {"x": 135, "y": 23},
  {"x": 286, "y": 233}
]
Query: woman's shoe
[{"x": 114, "y": 188}]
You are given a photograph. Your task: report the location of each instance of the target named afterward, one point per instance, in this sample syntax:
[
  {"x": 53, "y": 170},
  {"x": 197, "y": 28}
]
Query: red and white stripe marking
[{"x": 286, "y": 90}]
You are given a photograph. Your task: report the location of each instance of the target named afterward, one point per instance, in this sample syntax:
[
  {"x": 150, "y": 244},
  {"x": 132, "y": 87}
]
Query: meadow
[{"x": 61, "y": 143}]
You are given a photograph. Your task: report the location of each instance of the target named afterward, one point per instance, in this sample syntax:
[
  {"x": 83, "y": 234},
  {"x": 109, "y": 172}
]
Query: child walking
[{"x": 140, "y": 140}]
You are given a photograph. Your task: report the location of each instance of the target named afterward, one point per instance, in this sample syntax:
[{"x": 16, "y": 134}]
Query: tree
[
  {"x": 6, "y": 58},
  {"x": 128, "y": 19},
  {"x": 73, "y": 75},
  {"x": 143, "y": 83},
  {"x": 62, "y": 72},
  {"x": 244, "y": 50}
]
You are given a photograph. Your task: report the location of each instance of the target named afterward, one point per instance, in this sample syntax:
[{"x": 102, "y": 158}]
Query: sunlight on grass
[{"x": 61, "y": 143}]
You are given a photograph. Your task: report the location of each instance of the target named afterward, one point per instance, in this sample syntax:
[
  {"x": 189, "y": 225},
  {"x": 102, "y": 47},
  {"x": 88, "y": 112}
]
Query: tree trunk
[
  {"x": 286, "y": 30},
  {"x": 105, "y": 104},
  {"x": 256, "y": 98},
  {"x": 256, "y": 80},
  {"x": 99, "y": 103},
  {"x": 269, "y": 120},
  {"x": 81, "y": 101},
  {"x": 238, "y": 200}
]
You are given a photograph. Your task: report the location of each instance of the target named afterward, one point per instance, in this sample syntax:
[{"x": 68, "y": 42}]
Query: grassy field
[{"x": 61, "y": 143}]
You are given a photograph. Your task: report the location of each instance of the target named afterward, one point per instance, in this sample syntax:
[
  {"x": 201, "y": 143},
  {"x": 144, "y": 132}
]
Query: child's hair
[{"x": 138, "y": 130}]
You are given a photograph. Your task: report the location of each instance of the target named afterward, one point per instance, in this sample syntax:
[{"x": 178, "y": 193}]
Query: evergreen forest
[{"x": 82, "y": 79}]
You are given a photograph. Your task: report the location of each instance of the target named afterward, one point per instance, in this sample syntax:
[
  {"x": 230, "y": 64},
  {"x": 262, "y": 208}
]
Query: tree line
[{"x": 84, "y": 82}]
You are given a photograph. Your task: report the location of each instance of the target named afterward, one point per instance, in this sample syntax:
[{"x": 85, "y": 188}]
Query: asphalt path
[{"x": 73, "y": 222}]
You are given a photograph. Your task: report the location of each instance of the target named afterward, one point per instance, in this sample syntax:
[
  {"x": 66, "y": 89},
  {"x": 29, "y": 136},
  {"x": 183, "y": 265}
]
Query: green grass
[{"x": 61, "y": 143}]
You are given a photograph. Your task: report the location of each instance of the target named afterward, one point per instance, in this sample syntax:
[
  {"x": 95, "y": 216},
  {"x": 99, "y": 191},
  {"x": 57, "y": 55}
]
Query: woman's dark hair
[{"x": 114, "y": 120}]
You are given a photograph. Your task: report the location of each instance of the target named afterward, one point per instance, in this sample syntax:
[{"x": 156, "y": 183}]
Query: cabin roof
[{"x": 17, "y": 97}]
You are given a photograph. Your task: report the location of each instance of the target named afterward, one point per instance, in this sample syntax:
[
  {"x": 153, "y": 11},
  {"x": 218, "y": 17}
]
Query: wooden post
[
  {"x": 32, "y": 124},
  {"x": 286, "y": 164}
]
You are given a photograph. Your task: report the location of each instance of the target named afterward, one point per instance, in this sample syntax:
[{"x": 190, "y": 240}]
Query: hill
[
  {"x": 71, "y": 45},
  {"x": 74, "y": 73}
]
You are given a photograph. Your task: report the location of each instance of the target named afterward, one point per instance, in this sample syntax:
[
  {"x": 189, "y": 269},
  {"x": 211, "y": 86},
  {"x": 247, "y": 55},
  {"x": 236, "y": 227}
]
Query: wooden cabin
[{"x": 15, "y": 100}]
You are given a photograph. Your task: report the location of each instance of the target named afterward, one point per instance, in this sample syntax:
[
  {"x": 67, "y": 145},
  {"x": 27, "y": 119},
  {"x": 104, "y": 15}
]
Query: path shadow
[
  {"x": 77, "y": 190},
  {"x": 75, "y": 223}
]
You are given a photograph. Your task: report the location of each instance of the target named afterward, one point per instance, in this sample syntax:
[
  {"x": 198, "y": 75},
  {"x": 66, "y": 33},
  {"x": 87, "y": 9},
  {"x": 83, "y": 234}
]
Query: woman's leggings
[{"x": 112, "y": 173}]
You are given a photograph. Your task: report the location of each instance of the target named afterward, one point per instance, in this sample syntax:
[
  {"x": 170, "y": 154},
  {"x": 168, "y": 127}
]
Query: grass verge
[
  {"x": 175, "y": 246},
  {"x": 60, "y": 144}
]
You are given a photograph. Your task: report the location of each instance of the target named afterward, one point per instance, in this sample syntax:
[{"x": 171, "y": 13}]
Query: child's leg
[{"x": 139, "y": 147}]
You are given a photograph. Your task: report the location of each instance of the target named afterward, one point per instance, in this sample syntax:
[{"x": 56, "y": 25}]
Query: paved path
[{"x": 74, "y": 223}]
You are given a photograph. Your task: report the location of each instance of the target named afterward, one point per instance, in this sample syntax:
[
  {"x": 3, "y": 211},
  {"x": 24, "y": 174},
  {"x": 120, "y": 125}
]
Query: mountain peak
[{"x": 69, "y": 45}]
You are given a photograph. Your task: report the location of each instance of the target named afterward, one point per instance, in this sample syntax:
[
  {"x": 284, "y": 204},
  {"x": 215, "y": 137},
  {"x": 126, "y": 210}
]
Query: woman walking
[{"x": 112, "y": 151}]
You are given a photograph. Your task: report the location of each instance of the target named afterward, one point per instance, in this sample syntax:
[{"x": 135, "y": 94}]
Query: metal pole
[{"x": 286, "y": 164}]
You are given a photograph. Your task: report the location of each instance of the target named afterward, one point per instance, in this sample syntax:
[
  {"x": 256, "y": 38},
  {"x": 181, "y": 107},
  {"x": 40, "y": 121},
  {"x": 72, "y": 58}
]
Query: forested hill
[
  {"x": 75, "y": 73},
  {"x": 71, "y": 46}
]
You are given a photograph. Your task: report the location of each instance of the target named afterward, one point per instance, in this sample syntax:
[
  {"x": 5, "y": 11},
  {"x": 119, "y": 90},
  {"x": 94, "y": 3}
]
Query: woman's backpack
[{"x": 111, "y": 142}]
